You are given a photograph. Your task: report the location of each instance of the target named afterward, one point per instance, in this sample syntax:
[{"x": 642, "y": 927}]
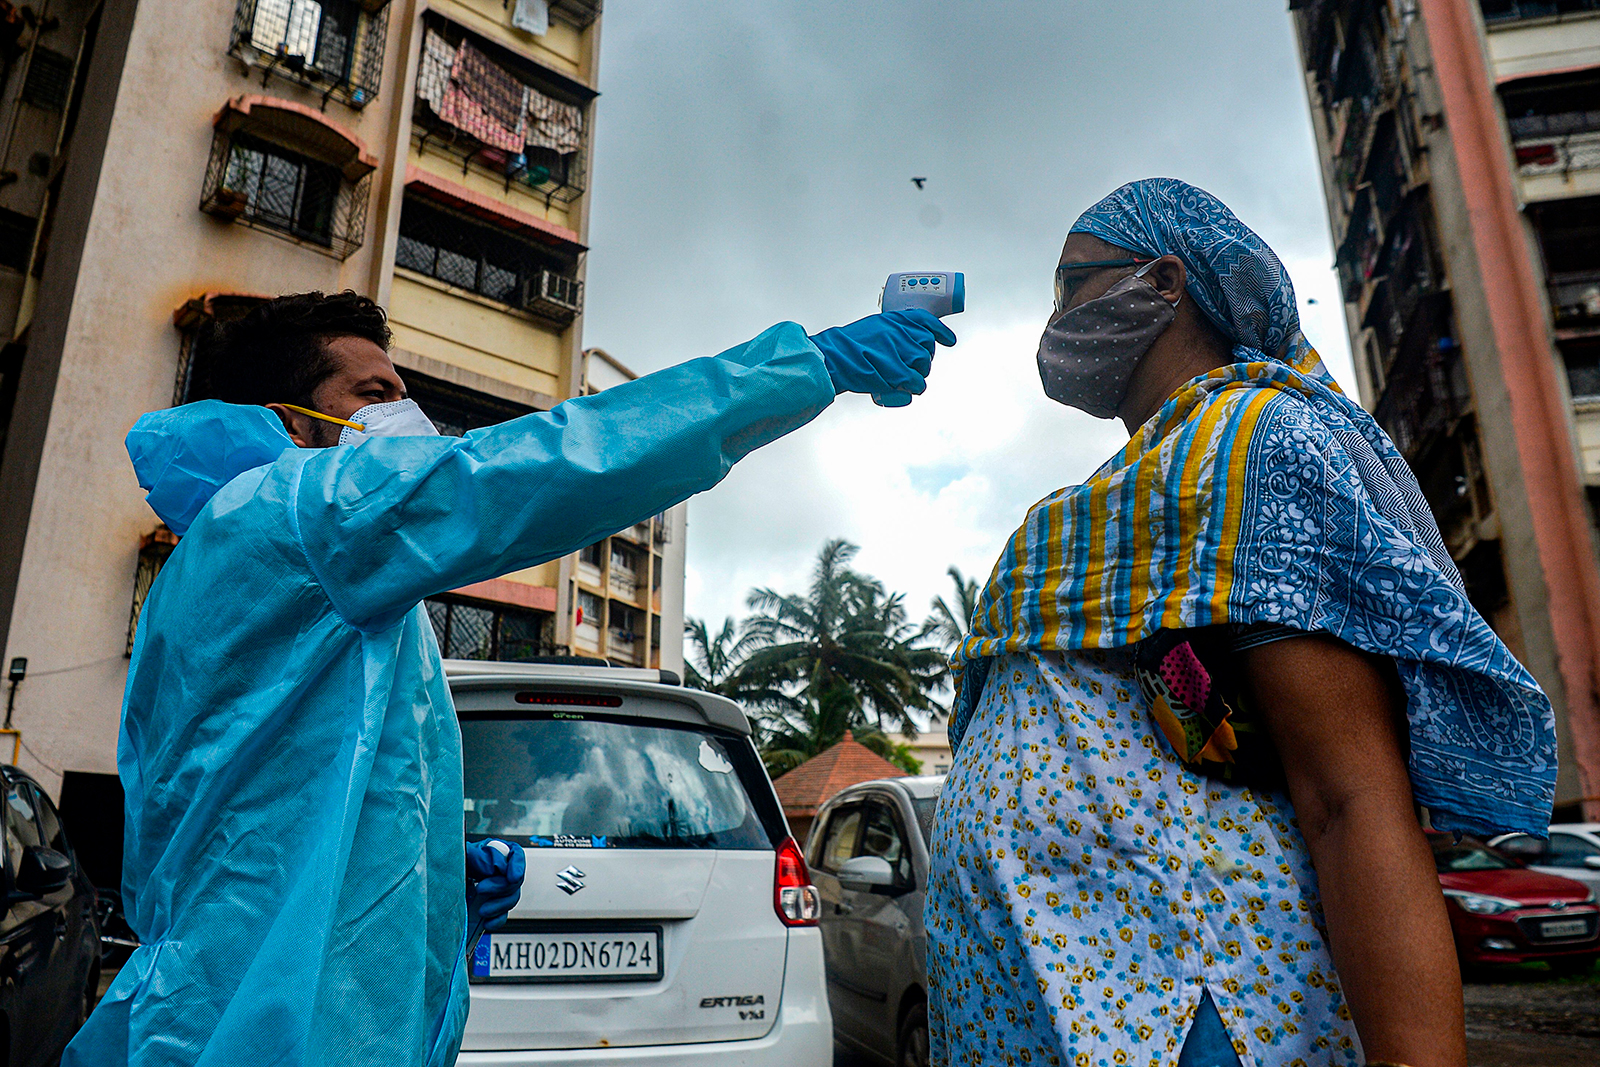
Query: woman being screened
[{"x": 1203, "y": 694}]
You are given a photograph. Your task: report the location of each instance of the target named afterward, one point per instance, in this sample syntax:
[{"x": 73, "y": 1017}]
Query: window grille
[
  {"x": 455, "y": 410},
  {"x": 495, "y": 263},
  {"x": 264, "y": 185},
  {"x": 49, "y": 81},
  {"x": 16, "y": 239},
  {"x": 153, "y": 553},
  {"x": 490, "y": 108},
  {"x": 473, "y": 631},
  {"x": 332, "y": 45},
  {"x": 1511, "y": 10},
  {"x": 624, "y": 624}
]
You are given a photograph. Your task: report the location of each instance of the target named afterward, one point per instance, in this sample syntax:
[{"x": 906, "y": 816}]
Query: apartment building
[
  {"x": 165, "y": 167},
  {"x": 1460, "y": 150}
]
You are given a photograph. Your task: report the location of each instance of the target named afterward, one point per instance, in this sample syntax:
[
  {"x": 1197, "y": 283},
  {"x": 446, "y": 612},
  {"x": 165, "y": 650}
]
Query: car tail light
[
  {"x": 794, "y": 898},
  {"x": 1541, "y": 155}
]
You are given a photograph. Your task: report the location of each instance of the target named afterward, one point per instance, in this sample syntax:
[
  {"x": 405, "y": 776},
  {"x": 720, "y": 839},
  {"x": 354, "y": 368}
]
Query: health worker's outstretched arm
[{"x": 393, "y": 520}]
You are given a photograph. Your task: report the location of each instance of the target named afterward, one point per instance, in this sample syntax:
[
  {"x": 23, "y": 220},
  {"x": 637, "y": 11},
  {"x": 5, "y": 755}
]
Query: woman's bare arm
[{"x": 1337, "y": 721}]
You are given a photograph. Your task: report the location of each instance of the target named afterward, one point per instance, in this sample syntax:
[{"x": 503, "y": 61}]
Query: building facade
[
  {"x": 1460, "y": 150},
  {"x": 166, "y": 166}
]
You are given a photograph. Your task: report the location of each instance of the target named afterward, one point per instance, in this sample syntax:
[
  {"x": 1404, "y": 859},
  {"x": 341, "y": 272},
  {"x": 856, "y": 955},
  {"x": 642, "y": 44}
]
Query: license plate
[
  {"x": 550, "y": 956},
  {"x": 1564, "y": 928}
]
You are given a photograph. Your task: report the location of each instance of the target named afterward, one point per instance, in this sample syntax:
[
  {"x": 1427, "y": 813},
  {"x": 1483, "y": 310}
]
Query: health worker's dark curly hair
[{"x": 277, "y": 353}]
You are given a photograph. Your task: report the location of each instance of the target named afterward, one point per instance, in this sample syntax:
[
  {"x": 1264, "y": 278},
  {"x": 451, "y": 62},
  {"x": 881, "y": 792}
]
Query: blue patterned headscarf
[
  {"x": 1233, "y": 276},
  {"x": 1260, "y": 493}
]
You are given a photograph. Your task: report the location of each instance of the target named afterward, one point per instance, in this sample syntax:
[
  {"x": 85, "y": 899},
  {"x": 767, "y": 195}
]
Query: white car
[
  {"x": 667, "y": 918},
  {"x": 1573, "y": 851}
]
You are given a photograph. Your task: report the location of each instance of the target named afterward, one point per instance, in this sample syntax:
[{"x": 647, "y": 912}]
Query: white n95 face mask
[{"x": 398, "y": 418}]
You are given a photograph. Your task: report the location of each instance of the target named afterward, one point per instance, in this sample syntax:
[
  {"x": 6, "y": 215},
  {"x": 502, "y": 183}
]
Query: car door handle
[{"x": 843, "y": 909}]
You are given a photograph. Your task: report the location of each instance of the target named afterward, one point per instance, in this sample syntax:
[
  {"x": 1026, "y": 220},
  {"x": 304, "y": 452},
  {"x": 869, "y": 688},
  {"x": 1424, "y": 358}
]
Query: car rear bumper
[
  {"x": 791, "y": 1043},
  {"x": 801, "y": 1037}
]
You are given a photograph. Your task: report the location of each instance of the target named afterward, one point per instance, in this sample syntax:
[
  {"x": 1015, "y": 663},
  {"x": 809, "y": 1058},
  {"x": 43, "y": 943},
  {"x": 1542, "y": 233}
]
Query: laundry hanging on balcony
[
  {"x": 484, "y": 100},
  {"x": 433, "y": 74},
  {"x": 465, "y": 88},
  {"x": 554, "y": 125}
]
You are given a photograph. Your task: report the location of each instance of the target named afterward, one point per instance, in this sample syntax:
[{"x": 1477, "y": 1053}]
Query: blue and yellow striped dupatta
[{"x": 1259, "y": 493}]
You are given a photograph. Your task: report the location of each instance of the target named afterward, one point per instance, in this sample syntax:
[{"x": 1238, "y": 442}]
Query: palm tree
[
  {"x": 793, "y": 737},
  {"x": 714, "y": 662},
  {"x": 844, "y": 647},
  {"x": 947, "y": 624}
]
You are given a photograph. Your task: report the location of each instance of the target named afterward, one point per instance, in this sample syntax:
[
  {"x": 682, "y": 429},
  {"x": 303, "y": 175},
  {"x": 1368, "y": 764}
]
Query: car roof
[
  {"x": 920, "y": 787},
  {"x": 481, "y": 675},
  {"x": 1590, "y": 828},
  {"x": 13, "y": 773}
]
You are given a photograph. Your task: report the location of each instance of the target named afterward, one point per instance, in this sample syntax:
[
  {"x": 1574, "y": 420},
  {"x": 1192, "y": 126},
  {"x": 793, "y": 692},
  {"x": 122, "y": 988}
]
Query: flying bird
[{"x": 919, "y": 181}]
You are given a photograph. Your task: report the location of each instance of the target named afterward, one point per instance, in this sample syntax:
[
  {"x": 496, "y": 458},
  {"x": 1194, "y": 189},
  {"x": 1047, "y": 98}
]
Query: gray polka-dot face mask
[{"x": 1087, "y": 356}]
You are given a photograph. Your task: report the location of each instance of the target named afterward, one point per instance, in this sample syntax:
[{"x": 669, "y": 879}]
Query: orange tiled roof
[{"x": 803, "y": 790}]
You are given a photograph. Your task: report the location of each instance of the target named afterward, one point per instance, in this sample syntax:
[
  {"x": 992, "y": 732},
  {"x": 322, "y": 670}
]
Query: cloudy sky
[{"x": 753, "y": 164}]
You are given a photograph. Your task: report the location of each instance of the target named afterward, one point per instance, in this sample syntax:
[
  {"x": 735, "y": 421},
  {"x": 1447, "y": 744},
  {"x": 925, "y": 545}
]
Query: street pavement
[{"x": 1515, "y": 1018}]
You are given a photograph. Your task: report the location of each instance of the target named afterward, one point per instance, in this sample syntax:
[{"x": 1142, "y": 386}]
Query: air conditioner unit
[{"x": 553, "y": 295}]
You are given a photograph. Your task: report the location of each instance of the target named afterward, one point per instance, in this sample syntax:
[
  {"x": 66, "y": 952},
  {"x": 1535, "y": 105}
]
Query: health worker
[
  {"x": 1203, "y": 694},
  {"x": 294, "y": 862}
]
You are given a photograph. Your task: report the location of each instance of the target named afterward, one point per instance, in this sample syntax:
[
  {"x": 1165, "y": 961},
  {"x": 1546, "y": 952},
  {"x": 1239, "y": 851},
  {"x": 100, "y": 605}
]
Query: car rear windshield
[
  {"x": 1468, "y": 857},
  {"x": 568, "y": 780}
]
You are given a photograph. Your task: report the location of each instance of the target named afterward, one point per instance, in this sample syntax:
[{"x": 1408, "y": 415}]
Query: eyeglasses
[{"x": 1064, "y": 291}]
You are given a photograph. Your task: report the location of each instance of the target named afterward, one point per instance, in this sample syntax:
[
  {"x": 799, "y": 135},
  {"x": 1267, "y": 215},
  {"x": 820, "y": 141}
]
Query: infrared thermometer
[{"x": 939, "y": 292}]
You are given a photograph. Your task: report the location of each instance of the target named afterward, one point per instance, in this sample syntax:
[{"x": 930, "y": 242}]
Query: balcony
[
  {"x": 1496, "y": 12},
  {"x": 280, "y": 166},
  {"x": 493, "y": 261},
  {"x": 332, "y": 46},
  {"x": 1554, "y": 167},
  {"x": 1575, "y": 300},
  {"x": 501, "y": 113}
]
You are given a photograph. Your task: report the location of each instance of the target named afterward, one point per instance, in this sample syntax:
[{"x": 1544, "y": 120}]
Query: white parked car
[
  {"x": 1572, "y": 851},
  {"x": 667, "y": 916}
]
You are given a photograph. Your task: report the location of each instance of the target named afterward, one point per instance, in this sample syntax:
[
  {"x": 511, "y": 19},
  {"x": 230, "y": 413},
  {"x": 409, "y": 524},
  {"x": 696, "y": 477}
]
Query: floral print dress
[{"x": 1087, "y": 889}]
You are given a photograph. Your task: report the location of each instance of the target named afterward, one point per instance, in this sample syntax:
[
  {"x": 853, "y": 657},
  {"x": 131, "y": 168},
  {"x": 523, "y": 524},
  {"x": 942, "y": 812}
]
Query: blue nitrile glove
[
  {"x": 494, "y": 880},
  {"x": 887, "y": 355}
]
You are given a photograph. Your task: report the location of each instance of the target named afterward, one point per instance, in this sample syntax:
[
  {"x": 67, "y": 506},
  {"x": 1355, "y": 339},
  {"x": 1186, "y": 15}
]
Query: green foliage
[
  {"x": 948, "y": 625},
  {"x": 809, "y": 666}
]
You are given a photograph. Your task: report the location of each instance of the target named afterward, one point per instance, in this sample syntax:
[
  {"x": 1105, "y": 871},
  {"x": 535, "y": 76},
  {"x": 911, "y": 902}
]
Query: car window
[
  {"x": 585, "y": 780},
  {"x": 50, "y": 831},
  {"x": 881, "y": 836},
  {"x": 1468, "y": 857},
  {"x": 1525, "y": 847},
  {"x": 21, "y": 830},
  {"x": 1569, "y": 850},
  {"x": 925, "y": 807},
  {"x": 839, "y": 840}
]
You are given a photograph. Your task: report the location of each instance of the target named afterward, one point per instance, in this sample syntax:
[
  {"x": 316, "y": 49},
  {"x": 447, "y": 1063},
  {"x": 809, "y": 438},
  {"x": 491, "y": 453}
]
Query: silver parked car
[
  {"x": 868, "y": 853},
  {"x": 667, "y": 919},
  {"x": 1573, "y": 851}
]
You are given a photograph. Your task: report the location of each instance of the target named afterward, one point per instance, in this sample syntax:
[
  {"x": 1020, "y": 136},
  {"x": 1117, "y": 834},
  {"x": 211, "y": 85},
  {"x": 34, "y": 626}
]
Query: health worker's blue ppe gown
[{"x": 294, "y": 861}]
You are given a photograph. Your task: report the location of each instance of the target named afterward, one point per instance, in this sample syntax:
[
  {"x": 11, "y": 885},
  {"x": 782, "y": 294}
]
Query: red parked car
[{"x": 1501, "y": 912}]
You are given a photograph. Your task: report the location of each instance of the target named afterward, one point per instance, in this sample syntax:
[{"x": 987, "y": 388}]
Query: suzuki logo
[{"x": 570, "y": 880}]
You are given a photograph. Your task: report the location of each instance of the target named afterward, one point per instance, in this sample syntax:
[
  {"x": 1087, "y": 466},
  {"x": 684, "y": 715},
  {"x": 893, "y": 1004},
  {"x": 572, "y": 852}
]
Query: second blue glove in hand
[
  {"x": 887, "y": 355},
  {"x": 494, "y": 881}
]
